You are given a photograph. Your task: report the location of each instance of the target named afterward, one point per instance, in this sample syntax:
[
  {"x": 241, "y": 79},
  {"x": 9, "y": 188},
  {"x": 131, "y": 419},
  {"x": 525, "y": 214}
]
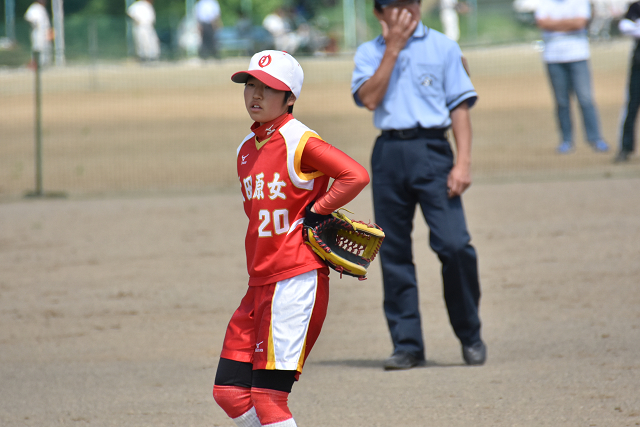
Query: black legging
[{"x": 241, "y": 374}]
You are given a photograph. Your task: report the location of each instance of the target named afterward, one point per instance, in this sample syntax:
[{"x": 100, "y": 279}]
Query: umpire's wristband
[{"x": 311, "y": 219}]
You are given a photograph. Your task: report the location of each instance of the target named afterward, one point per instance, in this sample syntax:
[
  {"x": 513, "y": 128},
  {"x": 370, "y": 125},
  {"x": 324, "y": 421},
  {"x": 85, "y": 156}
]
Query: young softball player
[{"x": 284, "y": 170}]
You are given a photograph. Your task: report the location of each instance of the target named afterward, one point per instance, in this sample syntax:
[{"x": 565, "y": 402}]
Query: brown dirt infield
[
  {"x": 114, "y": 301},
  {"x": 174, "y": 127}
]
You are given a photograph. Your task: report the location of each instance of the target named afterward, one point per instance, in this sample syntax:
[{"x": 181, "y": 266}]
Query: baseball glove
[{"x": 345, "y": 245}]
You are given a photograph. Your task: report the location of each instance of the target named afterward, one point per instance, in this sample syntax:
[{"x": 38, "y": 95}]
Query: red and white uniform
[
  {"x": 277, "y": 186},
  {"x": 283, "y": 166}
]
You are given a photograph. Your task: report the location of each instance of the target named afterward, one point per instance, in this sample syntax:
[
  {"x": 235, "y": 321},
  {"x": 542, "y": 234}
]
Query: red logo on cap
[{"x": 264, "y": 61}]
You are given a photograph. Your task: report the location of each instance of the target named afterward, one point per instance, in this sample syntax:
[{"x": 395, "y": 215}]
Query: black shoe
[
  {"x": 622, "y": 156},
  {"x": 475, "y": 354},
  {"x": 402, "y": 360}
]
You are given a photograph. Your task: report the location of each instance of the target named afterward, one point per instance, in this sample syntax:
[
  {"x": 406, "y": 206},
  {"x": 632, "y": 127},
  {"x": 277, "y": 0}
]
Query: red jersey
[{"x": 277, "y": 185}]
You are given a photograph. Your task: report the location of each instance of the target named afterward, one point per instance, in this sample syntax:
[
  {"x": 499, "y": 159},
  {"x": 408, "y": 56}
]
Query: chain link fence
[{"x": 98, "y": 38}]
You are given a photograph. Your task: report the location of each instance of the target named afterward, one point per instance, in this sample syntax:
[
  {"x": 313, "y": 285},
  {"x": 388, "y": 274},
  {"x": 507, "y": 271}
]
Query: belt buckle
[{"x": 407, "y": 133}]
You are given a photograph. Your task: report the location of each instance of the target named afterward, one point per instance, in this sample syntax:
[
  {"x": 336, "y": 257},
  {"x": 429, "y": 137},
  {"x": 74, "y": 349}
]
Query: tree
[{"x": 231, "y": 9}]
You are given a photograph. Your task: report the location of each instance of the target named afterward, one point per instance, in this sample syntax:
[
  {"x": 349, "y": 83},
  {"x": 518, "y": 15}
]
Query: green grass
[{"x": 15, "y": 57}]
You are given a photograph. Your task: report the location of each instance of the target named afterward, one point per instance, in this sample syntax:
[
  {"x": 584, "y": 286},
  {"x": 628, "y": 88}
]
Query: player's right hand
[{"x": 400, "y": 27}]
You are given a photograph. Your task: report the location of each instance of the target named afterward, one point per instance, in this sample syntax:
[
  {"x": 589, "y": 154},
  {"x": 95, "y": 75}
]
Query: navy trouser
[
  {"x": 406, "y": 173},
  {"x": 633, "y": 103}
]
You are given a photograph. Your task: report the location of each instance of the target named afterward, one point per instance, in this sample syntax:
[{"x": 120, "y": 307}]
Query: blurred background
[
  {"x": 113, "y": 122},
  {"x": 100, "y": 29}
]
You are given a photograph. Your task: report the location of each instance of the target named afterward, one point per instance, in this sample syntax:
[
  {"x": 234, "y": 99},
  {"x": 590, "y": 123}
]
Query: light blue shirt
[{"x": 428, "y": 81}]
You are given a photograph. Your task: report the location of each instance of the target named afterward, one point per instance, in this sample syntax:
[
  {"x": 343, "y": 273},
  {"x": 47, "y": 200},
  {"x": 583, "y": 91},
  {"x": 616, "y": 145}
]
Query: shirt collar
[
  {"x": 420, "y": 31},
  {"x": 267, "y": 129}
]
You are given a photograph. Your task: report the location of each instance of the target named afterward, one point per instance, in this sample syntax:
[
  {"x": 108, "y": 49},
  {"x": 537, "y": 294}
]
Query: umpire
[{"x": 415, "y": 81}]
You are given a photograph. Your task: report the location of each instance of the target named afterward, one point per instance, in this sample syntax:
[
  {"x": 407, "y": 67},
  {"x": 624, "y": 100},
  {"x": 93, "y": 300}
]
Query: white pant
[
  {"x": 146, "y": 41},
  {"x": 449, "y": 18},
  {"x": 40, "y": 43}
]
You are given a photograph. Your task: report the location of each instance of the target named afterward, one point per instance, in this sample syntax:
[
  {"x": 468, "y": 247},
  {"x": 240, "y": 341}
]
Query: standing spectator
[
  {"x": 630, "y": 26},
  {"x": 208, "y": 17},
  {"x": 144, "y": 34},
  {"x": 413, "y": 79},
  {"x": 284, "y": 37},
  {"x": 566, "y": 53},
  {"x": 41, "y": 33},
  {"x": 449, "y": 10},
  {"x": 600, "y": 26}
]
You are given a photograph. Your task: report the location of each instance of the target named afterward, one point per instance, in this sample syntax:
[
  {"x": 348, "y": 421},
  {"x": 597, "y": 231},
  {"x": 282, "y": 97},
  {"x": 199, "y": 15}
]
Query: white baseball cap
[{"x": 276, "y": 69}]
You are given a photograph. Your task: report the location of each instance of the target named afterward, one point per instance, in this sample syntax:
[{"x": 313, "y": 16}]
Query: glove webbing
[
  {"x": 352, "y": 246},
  {"x": 326, "y": 224}
]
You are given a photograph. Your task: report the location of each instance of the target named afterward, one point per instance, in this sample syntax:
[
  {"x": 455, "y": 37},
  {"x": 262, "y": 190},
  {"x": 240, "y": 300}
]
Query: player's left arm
[
  {"x": 350, "y": 177},
  {"x": 459, "y": 178}
]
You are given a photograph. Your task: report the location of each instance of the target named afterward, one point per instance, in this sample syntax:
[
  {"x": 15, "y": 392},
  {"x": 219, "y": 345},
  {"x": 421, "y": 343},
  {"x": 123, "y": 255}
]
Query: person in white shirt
[
  {"x": 41, "y": 34},
  {"x": 449, "y": 10},
  {"x": 284, "y": 37},
  {"x": 144, "y": 33},
  {"x": 566, "y": 53},
  {"x": 208, "y": 17}
]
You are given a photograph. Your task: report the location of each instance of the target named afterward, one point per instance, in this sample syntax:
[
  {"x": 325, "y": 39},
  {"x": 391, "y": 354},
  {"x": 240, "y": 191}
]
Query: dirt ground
[
  {"x": 122, "y": 128},
  {"x": 114, "y": 300},
  {"x": 113, "y": 310}
]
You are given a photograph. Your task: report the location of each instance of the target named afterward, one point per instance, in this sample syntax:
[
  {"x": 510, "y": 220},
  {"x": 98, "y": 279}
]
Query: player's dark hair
[{"x": 287, "y": 95}]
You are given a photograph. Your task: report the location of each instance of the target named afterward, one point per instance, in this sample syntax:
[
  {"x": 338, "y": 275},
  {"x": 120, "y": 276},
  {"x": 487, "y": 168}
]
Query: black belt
[{"x": 414, "y": 133}]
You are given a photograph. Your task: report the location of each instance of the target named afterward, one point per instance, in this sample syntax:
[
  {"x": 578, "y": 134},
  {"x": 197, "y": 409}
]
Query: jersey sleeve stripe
[
  {"x": 470, "y": 96},
  {"x": 243, "y": 142},
  {"x": 296, "y": 135},
  {"x": 298, "y": 157}
]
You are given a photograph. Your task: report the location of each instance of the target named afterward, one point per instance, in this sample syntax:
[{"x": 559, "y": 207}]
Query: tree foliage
[
  {"x": 232, "y": 10},
  {"x": 71, "y": 7}
]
